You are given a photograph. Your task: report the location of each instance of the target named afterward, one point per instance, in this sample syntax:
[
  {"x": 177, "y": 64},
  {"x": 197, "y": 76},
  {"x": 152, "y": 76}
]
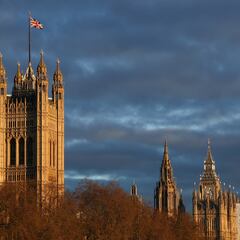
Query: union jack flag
[{"x": 35, "y": 23}]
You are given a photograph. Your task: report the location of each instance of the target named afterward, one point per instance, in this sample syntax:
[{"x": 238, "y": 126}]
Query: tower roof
[{"x": 209, "y": 165}]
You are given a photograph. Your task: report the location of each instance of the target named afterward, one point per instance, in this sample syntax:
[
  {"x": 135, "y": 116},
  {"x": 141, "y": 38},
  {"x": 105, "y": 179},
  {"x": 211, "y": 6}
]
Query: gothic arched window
[
  {"x": 29, "y": 151},
  {"x": 21, "y": 151},
  {"x": 13, "y": 152}
]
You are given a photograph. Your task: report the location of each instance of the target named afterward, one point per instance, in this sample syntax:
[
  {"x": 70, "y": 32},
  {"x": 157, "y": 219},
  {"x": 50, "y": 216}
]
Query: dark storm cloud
[{"x": 136, "y": 72}]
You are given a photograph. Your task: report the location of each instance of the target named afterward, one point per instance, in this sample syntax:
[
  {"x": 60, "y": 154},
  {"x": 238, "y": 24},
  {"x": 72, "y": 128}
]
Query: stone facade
[
  {"x": 215, "y": 210},
  {"x": 32, "y": 129},
  {"x": 167, "y": 198}
]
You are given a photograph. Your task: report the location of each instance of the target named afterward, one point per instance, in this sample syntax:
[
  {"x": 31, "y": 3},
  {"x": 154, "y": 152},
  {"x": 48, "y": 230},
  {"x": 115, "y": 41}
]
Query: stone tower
[
  {"x": 167, "y": 198},
  {"x": 214, "y": 210},
  {"x": 32, "y": 129}
]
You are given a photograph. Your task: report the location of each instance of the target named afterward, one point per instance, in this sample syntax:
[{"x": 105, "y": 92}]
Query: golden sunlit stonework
[
  {"x": 32, "y": 129},
  {"x": 167, "y": 198},
  {"x": 215, "y": 209}
]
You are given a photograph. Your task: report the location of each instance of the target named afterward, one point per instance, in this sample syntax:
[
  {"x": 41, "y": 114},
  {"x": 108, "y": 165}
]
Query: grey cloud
[{"x": 136, "y": 72}]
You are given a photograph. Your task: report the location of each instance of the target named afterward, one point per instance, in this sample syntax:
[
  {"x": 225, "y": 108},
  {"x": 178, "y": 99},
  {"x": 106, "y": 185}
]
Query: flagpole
[{"x": 29, "y": 38}]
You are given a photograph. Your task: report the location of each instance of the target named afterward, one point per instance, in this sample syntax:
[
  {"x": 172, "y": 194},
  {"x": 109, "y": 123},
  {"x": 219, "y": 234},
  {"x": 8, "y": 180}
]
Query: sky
[{"x": 138, "y": 72}]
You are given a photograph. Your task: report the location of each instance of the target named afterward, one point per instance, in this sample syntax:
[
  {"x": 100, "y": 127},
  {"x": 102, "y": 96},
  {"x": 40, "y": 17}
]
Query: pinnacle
[
  {"x": 165, "y": 146},
  {"x": 1, "y": 63},
  {"x": 1, "y": 56},
  {"x": 41, "y": 68},
  {"x": 18, "y": 68},
  {"x": 58, "y": 65},
  {"x": 41, "y": 58},
  {"x": 58, "y": 73},
  {"x": 209, "y": 154},
  {"x": 165, "y": 152}
]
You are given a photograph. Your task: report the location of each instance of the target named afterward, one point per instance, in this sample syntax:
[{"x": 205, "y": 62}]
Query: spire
[
  {"x": 209, "y": 153},
  {"x": 209, "y": 164},
  {"x": 165, "y": 152},
  {"x": 165, "y": 146},
  {"x": 58, "y": 74},
  {"x": 2, "y": 69},
  {"x": 166, "y": 168},
  {"x": 41, "y": 68}
]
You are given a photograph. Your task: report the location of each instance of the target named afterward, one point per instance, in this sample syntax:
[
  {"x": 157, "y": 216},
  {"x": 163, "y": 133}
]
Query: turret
[
  {"x": 18, "y": 78},
  {"x": 194, "y": 204},
  {"x": 57, "y": 88},
  {"x": 134, "y": 190},
  {"x": 41, "y": 68},
  {"x": 3, "y": 78},
  {"x": 58, "y": 74},
  {"x": 42, "y": 78}
]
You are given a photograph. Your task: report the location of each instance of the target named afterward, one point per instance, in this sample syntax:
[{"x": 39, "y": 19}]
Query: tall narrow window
[
  {"x": 50, "y": 152},
  {"x": 21, "y": 151},
  {"x": 29, "y": 151},
  {"x": 13, "y": 152}
]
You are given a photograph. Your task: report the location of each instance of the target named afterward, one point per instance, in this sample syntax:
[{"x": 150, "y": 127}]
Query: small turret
[
  {"x": 41, "y": 68},
  {"x": 57, "y": 88},
  {"x": 2, "y": 69},
  {"x": 18, "y": 77},
  {"x": 58, "y": 74},
  {"x": 3, "y": 78},
  {"x": 134, "y": 189}
]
